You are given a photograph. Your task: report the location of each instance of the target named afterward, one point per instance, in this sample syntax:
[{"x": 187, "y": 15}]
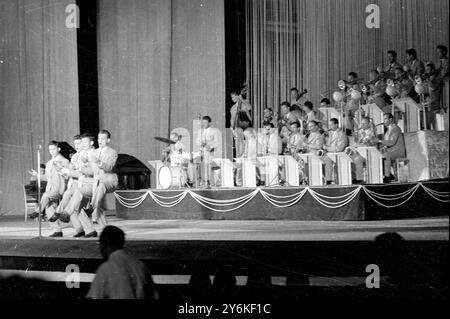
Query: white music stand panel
[
  {"x": 248, "y": 172},
  {"x": 226, "y": 172},
  {"x": 344, "y": 167},
  {"x": 291, "y": 169},
  {"x": 156, "y": 165},
  {"x": 374, "y": 164},
  {"x": 269, "y": 167}
]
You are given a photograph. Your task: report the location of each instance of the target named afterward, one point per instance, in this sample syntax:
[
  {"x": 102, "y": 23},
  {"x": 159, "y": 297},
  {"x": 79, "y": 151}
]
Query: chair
[{"x": 29, "y": 200}]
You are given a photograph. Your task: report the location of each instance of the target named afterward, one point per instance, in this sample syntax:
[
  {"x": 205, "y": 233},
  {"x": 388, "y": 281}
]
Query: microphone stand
[{"x": 39, "y": 190}]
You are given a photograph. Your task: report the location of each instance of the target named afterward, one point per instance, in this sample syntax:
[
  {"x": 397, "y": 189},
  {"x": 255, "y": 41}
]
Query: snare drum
[{"x": 171, "y": 177}]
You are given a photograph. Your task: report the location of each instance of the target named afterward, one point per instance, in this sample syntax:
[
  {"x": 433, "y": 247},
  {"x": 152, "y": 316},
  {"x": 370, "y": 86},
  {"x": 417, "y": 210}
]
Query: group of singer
[{"x": 76, "y": 186}]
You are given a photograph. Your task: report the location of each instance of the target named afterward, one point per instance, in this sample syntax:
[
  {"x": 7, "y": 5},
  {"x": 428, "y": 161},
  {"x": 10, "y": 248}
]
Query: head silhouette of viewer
[{"x": 112, "y": 238}]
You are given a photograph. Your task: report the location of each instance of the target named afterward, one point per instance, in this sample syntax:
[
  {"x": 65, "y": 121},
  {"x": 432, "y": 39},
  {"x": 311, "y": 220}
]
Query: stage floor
[{"x": 433, "y": 228}]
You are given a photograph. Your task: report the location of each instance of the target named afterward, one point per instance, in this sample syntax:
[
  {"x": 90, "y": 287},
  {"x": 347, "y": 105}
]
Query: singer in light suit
[
  {"x": 83, "y": 188},
  {"x": 209, "y": 141},
  {"x": 56, "y": 184},
  {"x": 105, "y": 180},
  {"x": 336, "y": 142}
]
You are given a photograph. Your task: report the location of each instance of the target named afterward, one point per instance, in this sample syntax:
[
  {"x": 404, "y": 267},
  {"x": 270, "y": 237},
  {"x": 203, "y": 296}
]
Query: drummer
[
  {"x": 173, "y": 152},
  {"x": 175, "y": 155}
]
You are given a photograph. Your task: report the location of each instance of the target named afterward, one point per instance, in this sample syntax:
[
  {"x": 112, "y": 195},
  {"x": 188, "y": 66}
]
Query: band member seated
[
  {"x": 377, "y": 89},
  {"x": 336, "y": 142},
  {"x": 250, "y": 153},
  {"x": 209, "y": 141},
  {"x": 56, "y": 183},
  {"x": 404, "y": 84},
  {"x": 365, "y": 136},
  {"x": 388, "y": 72},
  {"x": 286, "y": 117},
  {"x": 268, "y": 115},
  {"x": 297, "y": 99},
  {"x": 315, "y": 140},
  {"x": 269, "y": 142},
  {"x": 393, "y": 146},
  {"x": 173, "y": 150},
  {"x": 297, "y": 139}
]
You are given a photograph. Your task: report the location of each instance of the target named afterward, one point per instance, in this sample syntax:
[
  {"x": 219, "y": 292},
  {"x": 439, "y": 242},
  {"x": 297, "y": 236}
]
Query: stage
[{"x": 327, "y": 203}]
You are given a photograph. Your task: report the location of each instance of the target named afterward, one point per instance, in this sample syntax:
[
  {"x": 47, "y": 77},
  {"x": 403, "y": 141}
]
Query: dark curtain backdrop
[
  {"x": 313, "y": 43},
  {"x": 161, "y": 63},
  {"x": 39, "y": 89}
]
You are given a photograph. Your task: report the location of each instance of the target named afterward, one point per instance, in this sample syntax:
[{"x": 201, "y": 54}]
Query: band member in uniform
[
  {"x": 209, "y": 141},
  {"x": 298, "y": 99},
  {"x": 335, "y": 142},
  {"x": 268, "y": 116},
  {"x": 377, "y": 91},
  {"x": 404, "y": 84},
  {"x": 388, "y": 72},
  {"x": 297, "y": 139},
  {"x": 365, "y": 136},
  {"x": 393, "y": 145},
  {"x": 414, "y": 67},
  {"x": 269, "y": 142},
  {"x": 315, "y": 140}
]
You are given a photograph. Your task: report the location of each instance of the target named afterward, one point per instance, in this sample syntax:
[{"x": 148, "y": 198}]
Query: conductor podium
[
  {"x": 314, "y": 168},
  {"x": 374, "y": 163},
  {"x": 343, "y": 167}
]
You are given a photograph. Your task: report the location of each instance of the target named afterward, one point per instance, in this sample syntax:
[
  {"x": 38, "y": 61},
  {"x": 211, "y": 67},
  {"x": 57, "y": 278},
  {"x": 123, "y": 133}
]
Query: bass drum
[{"x": 170, "y": 177}]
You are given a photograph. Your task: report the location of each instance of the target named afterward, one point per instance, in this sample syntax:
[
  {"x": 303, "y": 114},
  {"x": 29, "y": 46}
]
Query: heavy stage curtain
[
  {"x": 313, "y": 43},
  {"x": 39, "y": 89},
  {"x": 161, "y": 63}
]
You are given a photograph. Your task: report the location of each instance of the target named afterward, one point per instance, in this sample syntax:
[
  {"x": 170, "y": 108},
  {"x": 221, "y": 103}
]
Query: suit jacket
[
  {"x": 212, "y": 137},
  {"x": 296, "y": 142},
  {"x": 337, "y": 141},
  {"x": 377, "y": 92},
  {"x": 271, "y": 142},
  {"x": 394, "y": 141},
  {"x": 315, "y": 141},
  {"x": 415, "y": 67}
]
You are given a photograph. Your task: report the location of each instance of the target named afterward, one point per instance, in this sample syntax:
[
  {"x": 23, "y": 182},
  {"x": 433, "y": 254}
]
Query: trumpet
[
  {"x": 349, "y": 150},
  {"x": 320, "y": 153}
]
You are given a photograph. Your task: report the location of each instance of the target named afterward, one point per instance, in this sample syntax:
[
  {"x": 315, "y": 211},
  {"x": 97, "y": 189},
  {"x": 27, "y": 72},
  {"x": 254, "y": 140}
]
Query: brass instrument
[
  {"x": 320, "y": 153},
  {"x": 349, "y": 150}
]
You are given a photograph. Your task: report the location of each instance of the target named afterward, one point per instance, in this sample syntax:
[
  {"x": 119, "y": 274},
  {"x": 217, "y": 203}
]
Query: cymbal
[{"x": 164, "y": 140}]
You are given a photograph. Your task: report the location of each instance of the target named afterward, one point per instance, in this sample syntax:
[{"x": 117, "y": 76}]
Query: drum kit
[{"x": 182, "y": 171}]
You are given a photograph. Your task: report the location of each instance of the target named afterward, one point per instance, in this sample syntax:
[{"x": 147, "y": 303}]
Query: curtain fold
[
  {"x": 161, "y": 63},
  {"x": 313, "y": 43},
  {"x": 39, "y": 89}
]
